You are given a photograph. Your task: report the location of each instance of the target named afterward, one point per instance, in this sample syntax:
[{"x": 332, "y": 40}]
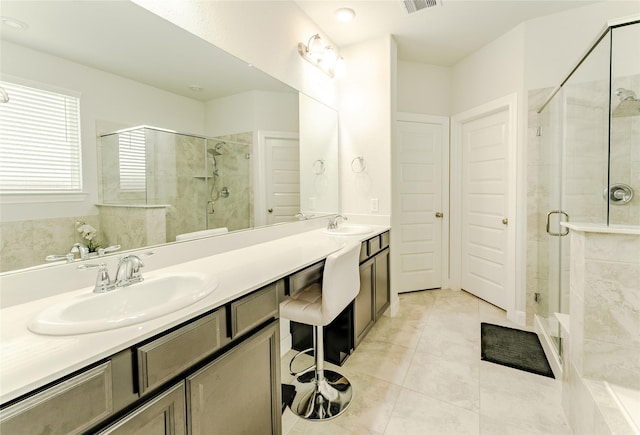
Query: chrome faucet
[
  {"x": 103, "y": 282},
  {"x": 81, "y": 250},
  {"x": 128, "y": 271},
  {"x": 333, "y": 221},
  {"x": 302, "y": 216}
]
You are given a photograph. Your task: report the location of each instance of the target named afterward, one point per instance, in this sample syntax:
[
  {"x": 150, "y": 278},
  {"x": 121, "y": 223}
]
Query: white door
[
  {"x": 282, "y": 181},
  {"x": 421, "y": 144},
  {"x": 485, "y": 207}
]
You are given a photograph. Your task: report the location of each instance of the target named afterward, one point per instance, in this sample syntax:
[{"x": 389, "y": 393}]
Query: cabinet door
[
  {"x": 162, "y": 415},
  {"x": 239, "y": 393},
  {"x": 363, "y": 304},
  {"x": 70, "y": 407},
  {"x": 382, "y": 296}
]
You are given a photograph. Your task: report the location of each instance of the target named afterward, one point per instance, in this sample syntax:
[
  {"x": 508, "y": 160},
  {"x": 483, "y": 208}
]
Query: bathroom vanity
[
  {"x": 207, "y": 371},
  {"x": 215, "y": 364}
]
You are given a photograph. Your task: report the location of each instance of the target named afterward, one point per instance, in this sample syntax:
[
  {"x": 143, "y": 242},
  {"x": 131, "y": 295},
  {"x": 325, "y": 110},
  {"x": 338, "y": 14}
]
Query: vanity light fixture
[{"x": 320, "y": 55}]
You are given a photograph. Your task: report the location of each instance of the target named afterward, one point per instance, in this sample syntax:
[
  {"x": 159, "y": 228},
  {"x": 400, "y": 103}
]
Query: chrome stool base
[{"x": 324, "y": 399}]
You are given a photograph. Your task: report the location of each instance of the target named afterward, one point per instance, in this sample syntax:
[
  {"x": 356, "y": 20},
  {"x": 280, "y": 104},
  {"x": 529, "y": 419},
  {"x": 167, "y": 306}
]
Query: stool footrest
[{"x": 302, "y": 372}]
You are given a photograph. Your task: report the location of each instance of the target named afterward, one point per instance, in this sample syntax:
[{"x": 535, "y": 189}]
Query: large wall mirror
[{"x": 178, "y": 139}]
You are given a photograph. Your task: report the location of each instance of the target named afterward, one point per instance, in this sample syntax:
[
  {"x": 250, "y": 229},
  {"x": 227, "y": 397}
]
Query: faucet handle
[
  {"x": 103, "y": 251},
  {"x": 69, "y": 257},
  {"x": 103, "y": 281}
]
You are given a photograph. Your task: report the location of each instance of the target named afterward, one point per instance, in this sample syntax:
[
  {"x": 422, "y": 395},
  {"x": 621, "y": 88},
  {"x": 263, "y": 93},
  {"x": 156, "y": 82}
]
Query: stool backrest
[{"x": 340, "y": 280}]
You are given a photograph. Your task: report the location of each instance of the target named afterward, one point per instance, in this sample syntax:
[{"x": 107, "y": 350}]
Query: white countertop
[
  {"x": 602, "y": 228},
  {"x": 29, "y": 361}
]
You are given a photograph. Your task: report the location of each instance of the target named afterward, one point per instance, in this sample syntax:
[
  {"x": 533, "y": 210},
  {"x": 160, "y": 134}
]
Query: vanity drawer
[
  {"x": 304, "y": 278},
  {"x": 254, "y": 309},
  {"x": 69, "y": 407},
  {"x": 384, "y": 240},
  {"x": 167, "y": 356},
  {"x": 374, "y": 245}
]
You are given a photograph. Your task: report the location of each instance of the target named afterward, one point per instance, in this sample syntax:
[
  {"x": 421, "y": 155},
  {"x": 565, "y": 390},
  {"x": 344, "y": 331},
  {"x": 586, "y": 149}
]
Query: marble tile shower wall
[
  {"x": 625, "y": 156},
  {"x": 234, "y": 167},
  {"x": 605, "y": 307},
  {"x": 27, "y": 243}
]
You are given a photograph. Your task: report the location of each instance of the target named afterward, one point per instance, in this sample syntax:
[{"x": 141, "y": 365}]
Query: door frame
[
  {"x": 443, "y": 121},
  {"x": 515, "y": 276}
]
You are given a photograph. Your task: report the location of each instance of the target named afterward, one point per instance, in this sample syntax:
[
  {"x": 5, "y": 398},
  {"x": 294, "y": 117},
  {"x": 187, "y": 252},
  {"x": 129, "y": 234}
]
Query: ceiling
[
  {"x": 439, "y": 35},
  {"x": 162, "y": 55}
]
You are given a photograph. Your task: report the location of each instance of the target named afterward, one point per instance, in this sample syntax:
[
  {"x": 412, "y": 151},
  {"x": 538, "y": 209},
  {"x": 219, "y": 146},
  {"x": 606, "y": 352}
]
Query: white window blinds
[
  {"x": 39, "y": 141},
  {"x": 132, "y": 149}
]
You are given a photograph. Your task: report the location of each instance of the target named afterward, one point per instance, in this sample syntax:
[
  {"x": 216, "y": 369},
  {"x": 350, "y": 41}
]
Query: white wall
[
  {"x": 555, "y": 43},
  {"x": 367, "y": 111},
  {"x": 252, "y": 111},
  {"x": 495, "y": 70},
  {"x": 105, "y": 98},
  {"x": 424, "y": 88}
]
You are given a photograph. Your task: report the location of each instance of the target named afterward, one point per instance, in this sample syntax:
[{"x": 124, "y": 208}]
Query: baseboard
[
  {"x": 285, "y": 344},
  {"x": 518, "y": 317}
]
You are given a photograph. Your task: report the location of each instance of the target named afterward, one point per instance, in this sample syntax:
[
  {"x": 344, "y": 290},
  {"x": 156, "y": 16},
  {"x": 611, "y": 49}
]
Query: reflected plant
[{"x": 88, "y": 233}]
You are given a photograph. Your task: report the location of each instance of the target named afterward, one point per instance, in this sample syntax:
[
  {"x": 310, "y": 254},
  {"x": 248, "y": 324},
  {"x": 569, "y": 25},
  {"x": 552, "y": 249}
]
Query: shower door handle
[{"x": 560, "y": 212}]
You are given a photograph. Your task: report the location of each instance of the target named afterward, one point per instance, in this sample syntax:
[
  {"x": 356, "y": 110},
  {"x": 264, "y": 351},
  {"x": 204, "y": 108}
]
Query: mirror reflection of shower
[
  {"x": 214, "y": 193},
  {"x": 629, "y": 105}
]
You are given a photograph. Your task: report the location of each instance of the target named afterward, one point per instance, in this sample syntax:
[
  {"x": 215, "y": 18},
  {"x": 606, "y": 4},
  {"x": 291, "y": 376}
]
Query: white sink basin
[
  {"x": 154, "y": 297},
  {"x": 349, "y": 230}
]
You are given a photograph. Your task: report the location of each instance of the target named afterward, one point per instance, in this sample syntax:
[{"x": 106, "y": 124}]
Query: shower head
[
  {"x": 215, "y": 150},
  {"x": 629, "y": 105}
]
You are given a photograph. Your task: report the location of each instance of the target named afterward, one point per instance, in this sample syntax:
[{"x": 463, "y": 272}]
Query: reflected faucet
[
  {"x": 81, "y": 250},
  {"x": 302, "y": 216},
  {"x": 333, "y": 221}
]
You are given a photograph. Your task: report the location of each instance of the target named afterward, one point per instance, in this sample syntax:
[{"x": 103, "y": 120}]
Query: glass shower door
[{"x": 574, "y": 144}]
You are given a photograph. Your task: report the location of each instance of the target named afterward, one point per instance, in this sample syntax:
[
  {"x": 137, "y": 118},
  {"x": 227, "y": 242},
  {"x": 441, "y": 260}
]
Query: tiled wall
[
  {"x": 27, "y": 243},
  {"x": 625, "y": 156},
  {"x": 132, "y": 227},
  {"x": 604, "y": 339},
  {"x": 235, "y": 168},
  {"x": 605, "y": 307}
]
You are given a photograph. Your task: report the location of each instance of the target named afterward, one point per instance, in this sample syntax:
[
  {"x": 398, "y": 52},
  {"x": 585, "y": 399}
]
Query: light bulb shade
[
  {"x": 329, "y": 58},
  {"x": 315, "y": 47}
]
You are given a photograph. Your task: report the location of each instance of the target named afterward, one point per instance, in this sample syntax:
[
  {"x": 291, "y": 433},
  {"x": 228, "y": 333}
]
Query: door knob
[
  {"x": 505, "y": 221},
  {"x": 439, "y": 214},
  {"x": 270, "y": 210}
]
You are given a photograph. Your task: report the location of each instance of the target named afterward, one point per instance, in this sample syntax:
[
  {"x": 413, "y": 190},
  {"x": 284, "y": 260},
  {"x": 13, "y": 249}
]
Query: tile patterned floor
[{"x": 421, "y": 373}]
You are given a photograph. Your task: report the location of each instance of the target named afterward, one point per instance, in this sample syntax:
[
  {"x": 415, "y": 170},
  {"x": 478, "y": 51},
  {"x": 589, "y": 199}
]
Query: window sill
[{"x": 42, "y": 197}]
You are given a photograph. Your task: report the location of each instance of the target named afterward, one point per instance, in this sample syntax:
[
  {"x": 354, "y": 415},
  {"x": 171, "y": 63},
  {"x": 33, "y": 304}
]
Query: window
[
  {"x": 39, "y": 141},
  {"x": 131, "y": 155}
]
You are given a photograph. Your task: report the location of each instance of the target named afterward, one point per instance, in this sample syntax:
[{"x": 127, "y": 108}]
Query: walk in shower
[
  {"x": 157, "y": 185},
  {"x": 588, "y": 163}
]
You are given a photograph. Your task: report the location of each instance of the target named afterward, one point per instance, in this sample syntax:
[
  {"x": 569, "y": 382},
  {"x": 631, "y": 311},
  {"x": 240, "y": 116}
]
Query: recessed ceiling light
[
  {"x": 13, "y": 23},
  {"x": 345, "y": 15},
  {"x": 196, "y": 88}
]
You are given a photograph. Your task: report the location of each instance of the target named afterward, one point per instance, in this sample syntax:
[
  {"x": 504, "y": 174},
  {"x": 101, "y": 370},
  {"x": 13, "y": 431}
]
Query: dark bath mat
[
  {"x": 514, "y": 348},
  {"x": 288, "y": 393}
]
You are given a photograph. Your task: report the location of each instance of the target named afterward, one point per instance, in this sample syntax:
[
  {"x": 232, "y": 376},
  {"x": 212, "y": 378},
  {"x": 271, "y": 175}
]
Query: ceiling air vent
[{"x": 413, "y": 6}]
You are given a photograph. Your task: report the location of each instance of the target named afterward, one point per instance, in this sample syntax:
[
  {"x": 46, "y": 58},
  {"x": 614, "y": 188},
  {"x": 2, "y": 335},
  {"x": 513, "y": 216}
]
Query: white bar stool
[{"x": 324, "y": 394}]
